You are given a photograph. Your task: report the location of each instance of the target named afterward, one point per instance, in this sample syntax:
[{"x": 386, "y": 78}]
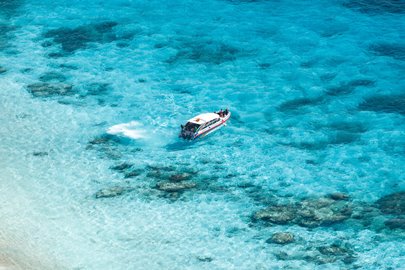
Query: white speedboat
[{"x": 204, "y": 124}]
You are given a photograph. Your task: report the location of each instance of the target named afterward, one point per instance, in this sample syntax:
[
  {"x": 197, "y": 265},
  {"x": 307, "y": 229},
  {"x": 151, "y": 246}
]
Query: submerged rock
[
  {"x": 112, "y": 192},
  {"x": 394, "y": 50},
  {"x": 297, "y": 104},
  {"x": 72, "y": 39},
  {"x": 334, "y": 250},
  {"x": 101, "y": 140},
  {"x": 320, "y": 255},
  {"x": 179, "y": 177},
  {"x": 332, "y": 253},
  {"x": 97, "y": 89},
  {"x": 52, "y": 76},
  {"x": 395, "y": 223},
  {"x": 168, "y": 173},
  {"x": 384, "y": 104},
  {"x": 205, "y": 51},
  {"x": 2, "y": 70},
  {"x": 175, "y": 186},
  {"x": 39, "y": 154},
  {"x": 133, "y": 173},
  {"x": 279, "y": 214},
  {"x": 49, "y": 90},
  {"x": 320, "y": 259},
  {"x": 322, "y": 211},
  {"x": 348, "y": 87},
  {"x": 203, "y": 258},
  {"x": 392, "y": 204},
  {"x": 376, "y": 6},
  {"x": 121, "y": 167},
  {"x": 338, "y": 196},
  {"x": 160, "y": 168},
  {"x": 307, "y": 213},
  {"x": 281, "y": 238}
]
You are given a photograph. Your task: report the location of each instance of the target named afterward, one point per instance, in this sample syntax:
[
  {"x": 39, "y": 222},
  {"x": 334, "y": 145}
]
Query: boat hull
[{"x": 212, "y": 128}]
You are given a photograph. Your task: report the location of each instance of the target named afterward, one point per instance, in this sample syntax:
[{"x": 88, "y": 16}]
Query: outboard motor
[{"x": 186, "y": 134}]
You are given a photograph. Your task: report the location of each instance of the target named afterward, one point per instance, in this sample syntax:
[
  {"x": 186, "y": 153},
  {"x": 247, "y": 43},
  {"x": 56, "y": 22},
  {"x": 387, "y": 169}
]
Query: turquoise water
[{"x": 316, "y": 91}]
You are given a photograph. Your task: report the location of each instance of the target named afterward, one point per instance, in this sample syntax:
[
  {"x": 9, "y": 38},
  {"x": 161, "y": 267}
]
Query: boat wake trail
[{"x": 131, "y": 130}]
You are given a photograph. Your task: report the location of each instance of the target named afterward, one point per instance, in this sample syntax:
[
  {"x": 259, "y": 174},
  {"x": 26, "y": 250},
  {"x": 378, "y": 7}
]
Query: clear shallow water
[{"x": 317, "y": 95}]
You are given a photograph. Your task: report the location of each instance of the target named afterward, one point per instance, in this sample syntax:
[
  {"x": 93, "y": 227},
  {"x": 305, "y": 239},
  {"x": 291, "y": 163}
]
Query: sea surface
[{"x": 93, "y": 175}]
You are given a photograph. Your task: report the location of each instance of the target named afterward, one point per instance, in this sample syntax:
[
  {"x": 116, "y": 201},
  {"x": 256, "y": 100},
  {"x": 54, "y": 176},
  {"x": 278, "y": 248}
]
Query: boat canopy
[{"x": 203, "y": 118}]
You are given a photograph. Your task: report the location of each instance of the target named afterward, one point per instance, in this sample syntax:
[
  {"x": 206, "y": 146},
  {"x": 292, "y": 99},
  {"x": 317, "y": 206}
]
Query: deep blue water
[{"x": 317, "y": 95}]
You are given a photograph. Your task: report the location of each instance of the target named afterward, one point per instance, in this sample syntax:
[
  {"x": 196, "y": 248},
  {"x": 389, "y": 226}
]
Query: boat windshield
[{"x": 191, "y": 126}]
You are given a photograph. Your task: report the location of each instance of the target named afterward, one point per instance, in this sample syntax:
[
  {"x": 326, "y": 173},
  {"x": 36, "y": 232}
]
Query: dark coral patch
[
  {"x": 385, "y": 104},
  {"x": 133, "y": 173},
  {"x": 395, "y": 223},
  {"x": 245, "y": 1},
  {"x": 112, "y": 192},
  {"x": 40, "y": 154},
  {"x": 376, "y": 6},
  {"x": 349, "y": 87},
  {"x": 396, "y": 51},
  {"x": 52, "y": 76},
  {"x": 95, "y": 89},
  {"x": 121, "y": 167},
  {"x": 175, "y": 186},
  {"x": 351, "y": 127},
  {"x": 46, "y": 90},
  {"x": 10, "y": 7},
  {"x": 342, "y": 137},
  {"x": 5, "y": 35},
  {"x": 307, "y": 213},
  {"x": 392, "y": 204},
  {"x": 204, "y": 51},
  {"x": 73, "y": 39},
  {"x": 296, "y": 104}
]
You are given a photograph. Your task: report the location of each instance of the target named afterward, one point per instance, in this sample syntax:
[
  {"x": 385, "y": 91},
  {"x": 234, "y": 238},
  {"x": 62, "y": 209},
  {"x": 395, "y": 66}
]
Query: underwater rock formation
[
  {"x": 73, "y": 39},
  {"x": 395, "y": 223},
  {"x": 307, "y": 213},
  {"x": 396, "y": 51},
  {"x": 121, "y": 167},
  {"x": 204, "y": 51},
  {"x": 338, "y": 196},
  {"x": 46, "y": 90},
  {"x": 52, "y": 77},
  {"x": 297, "y": 104},
  {"x": 112, "y": 192},
  {"x": 385, "y": 104},
  {"x": 321, "y": 254},
  {"x": 333, "y": 249},
  {"x": 104, "y": 139},
  {"x": 95, "y": 89},
  {"x": 281, "y": 238},
  {"x": 348, "y": 87},
  {"x": 133, "y": 173},
  {"x": 278, "y": 214},
  {"x": 392, "y": 204},
  {"x": 335, "y": 252},
  {"x": 175, "y": 186},
  {"x": 180, "y": 177},
  {"x": 39, "y": 154},
  {"x": 377, "y": 6}
]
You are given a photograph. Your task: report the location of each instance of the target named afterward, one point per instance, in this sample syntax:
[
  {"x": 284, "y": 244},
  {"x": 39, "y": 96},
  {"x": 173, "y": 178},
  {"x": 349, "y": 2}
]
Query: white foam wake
[{"x": 130, "y": 130}]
